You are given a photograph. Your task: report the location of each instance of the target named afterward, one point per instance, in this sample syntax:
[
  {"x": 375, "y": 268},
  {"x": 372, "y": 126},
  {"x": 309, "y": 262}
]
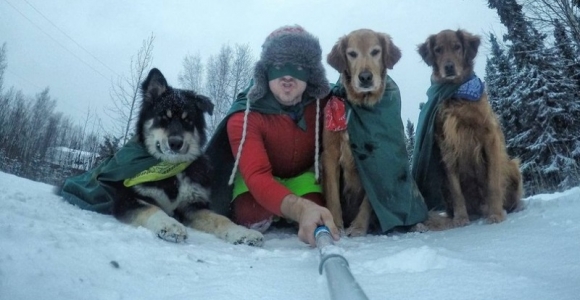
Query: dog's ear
[
  {"x": 337, "y": 56},
  {"x": 426, "y": 50},
  {"x": 470, "y": 45},
  {"x": 204, "y": 104},
  {"x": 154, "y": 85},
  {"x": 391, "y": 53}
]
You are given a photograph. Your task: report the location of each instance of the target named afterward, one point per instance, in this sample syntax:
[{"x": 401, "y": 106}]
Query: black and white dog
[{"x": 171, "y": 126}]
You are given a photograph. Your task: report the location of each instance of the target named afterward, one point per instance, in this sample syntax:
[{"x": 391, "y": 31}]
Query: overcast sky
[{"x": 78, "y": 48}]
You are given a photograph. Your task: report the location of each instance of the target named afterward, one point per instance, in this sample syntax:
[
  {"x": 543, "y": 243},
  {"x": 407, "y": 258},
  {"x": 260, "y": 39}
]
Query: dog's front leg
[
  {"x": 360, "y": 224},
  {"x": 207, "y": 221},
  {"x": 331, "y": 175},
  {"x": 460, "y": 216},
  {"x": 154, "y": 219},
  {"x": 495, "y": 178}
]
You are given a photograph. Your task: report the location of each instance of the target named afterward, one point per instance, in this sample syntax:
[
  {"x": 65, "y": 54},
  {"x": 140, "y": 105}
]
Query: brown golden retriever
[
  {"x": 481, "y": 179},
  {"x": 362, "y": 57}
]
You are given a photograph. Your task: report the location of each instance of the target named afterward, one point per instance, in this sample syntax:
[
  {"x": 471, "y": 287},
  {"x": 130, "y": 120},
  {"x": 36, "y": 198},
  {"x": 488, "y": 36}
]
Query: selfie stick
[{"x": 341, "y": 283}]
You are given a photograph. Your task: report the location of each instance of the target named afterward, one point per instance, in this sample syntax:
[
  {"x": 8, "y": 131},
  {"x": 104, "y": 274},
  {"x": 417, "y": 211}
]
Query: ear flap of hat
[
  {"x": 318, "y": 86},
  {"x": 261, "y": 86}
]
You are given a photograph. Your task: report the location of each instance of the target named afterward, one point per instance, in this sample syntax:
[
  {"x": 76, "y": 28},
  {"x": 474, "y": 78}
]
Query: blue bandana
[{"x": 471, "y": 90}]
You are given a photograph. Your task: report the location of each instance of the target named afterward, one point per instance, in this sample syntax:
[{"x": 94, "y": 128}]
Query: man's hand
[{"x": 309, "y": 215}]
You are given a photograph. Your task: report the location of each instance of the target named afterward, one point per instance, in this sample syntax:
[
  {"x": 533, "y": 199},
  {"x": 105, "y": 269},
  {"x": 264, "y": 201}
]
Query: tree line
[
  {"x": 41, "y": 144},
  {"x": 532, "y": 78}
]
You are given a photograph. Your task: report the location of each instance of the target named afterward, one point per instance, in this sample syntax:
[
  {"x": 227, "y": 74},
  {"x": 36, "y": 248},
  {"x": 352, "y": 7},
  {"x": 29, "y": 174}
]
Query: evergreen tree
[
  {"x": 527, "y": 42},
  {"x": 538, "y": 114},
  {"x": 410, "y": 139},
  {"x": 570, "y": 64},
  {"x": 498, "y": 80},
  {"x": 107, "y": 148}
]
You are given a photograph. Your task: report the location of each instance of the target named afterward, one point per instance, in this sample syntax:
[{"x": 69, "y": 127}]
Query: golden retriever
[
  {"x": 481, "y": 180},
  {"x": 362, "y": 57}
]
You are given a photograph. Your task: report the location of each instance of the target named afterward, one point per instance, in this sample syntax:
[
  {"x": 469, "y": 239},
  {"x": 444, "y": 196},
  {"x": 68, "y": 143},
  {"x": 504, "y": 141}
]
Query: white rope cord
[
  {"x": 239, "y": 154},
  {"x": 317, "y": 142}
]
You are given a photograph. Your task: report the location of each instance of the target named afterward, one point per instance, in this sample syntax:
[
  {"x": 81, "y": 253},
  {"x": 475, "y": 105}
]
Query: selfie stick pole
[{"x": 341, "y": 283}]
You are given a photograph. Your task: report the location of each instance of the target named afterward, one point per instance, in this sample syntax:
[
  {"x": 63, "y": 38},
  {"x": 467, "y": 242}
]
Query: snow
[{"x": 50, "y": 249}]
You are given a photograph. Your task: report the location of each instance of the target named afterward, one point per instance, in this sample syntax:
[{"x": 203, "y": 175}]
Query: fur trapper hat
[{"x": 294, "y": 45}]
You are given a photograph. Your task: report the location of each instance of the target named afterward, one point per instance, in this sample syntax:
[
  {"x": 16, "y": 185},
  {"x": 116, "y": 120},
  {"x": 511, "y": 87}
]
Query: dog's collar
[
  {"x": 471, "y": 90},
  {"x": 160, "y": 171},
  {"x": 335, "y": 118}
]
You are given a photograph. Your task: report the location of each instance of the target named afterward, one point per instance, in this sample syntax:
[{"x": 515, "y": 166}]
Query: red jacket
[{"x": 274, "y": 146}]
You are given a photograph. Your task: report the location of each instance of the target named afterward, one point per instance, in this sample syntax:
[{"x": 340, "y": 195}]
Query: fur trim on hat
[{"x": 291, "y": 44}]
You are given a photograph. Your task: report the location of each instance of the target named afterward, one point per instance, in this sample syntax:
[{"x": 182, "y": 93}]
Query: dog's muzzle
[
  {"x": 172, "y": 145},
  {"x": 175, "y": 143},
  {"x": 366, "y": 79},
  {"x": 450, "y": 70}
]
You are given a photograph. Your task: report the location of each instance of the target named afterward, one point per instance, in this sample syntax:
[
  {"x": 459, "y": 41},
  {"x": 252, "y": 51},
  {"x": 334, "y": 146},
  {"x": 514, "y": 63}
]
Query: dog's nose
[
  {"x": 449, "y": 69},
  {"x": 175, "y": 143},
  {"x": 365, "y": 78}
]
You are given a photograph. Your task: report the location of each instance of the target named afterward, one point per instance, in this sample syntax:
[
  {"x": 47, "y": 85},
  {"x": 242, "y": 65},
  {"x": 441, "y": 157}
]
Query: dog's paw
[
  {"x": 354, "y": 231},
  {"x": 437, "y": 221},
  {"x": 460, "y": 221},
  {"x": 419, "y": 227},
  {"x": 174, "y": 232},
  {"x": 167, "y": 227},
  {"x": 496, "y": 218},
  {"x": 242, "y": 235}
]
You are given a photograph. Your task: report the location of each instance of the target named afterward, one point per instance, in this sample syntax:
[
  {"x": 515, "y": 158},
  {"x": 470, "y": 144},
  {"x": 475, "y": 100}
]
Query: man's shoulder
[{"x": 237, "y": 118}]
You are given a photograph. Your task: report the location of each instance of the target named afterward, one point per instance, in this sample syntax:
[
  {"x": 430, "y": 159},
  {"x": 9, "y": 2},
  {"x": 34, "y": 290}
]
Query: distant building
[{"x": 71, "y": 158}]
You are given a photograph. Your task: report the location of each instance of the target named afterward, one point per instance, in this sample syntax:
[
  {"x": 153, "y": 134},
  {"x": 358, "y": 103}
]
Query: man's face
[{"x": 287, "y": 89}]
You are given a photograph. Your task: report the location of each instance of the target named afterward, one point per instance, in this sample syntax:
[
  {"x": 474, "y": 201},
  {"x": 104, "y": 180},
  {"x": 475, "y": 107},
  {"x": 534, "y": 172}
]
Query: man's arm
[{"x": 309, "y": 215}]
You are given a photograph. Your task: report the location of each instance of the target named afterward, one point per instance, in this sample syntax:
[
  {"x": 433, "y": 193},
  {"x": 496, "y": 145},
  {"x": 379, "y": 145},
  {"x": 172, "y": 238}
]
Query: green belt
[{"x": 300, "y": 185}]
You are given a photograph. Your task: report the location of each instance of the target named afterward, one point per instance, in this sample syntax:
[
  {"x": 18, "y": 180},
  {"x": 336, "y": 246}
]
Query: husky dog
[{"x": 171, "y": 126}]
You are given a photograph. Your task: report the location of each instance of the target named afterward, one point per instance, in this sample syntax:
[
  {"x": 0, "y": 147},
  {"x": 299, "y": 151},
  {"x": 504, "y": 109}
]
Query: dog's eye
[
  {"x": 375, "y": 52},
  {"x": 437, "y": 50},
  {"x": 352, "y": 54},
  {"x": 457, "y": 47}
]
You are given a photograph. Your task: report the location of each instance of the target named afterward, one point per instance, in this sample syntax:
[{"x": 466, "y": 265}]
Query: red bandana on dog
[{"x": 335, "y": 114}]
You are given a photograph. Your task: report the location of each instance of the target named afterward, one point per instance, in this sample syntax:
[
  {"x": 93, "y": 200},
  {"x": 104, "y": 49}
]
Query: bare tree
[
  {"x": 126, "y": 91},
  {"x": 218, "y": 83},
  {"x": 18, "y": 118},
  {"x": 227, "y": 74},
  {"x": 3, "y": 66},
  {"x": 242, "y": 68},
  {"x": 51, "y": 135},
  {"x": 4, "y": 99},
  {"x": 544, "y": 12},
  {"x": 40, "y": 111},
  {"x": 6, "y": 106},
  {"x": 191, "y": 77}
]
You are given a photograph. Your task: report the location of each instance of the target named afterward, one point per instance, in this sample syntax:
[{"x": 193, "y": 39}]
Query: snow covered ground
[{"x": 50, "y": 249}]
